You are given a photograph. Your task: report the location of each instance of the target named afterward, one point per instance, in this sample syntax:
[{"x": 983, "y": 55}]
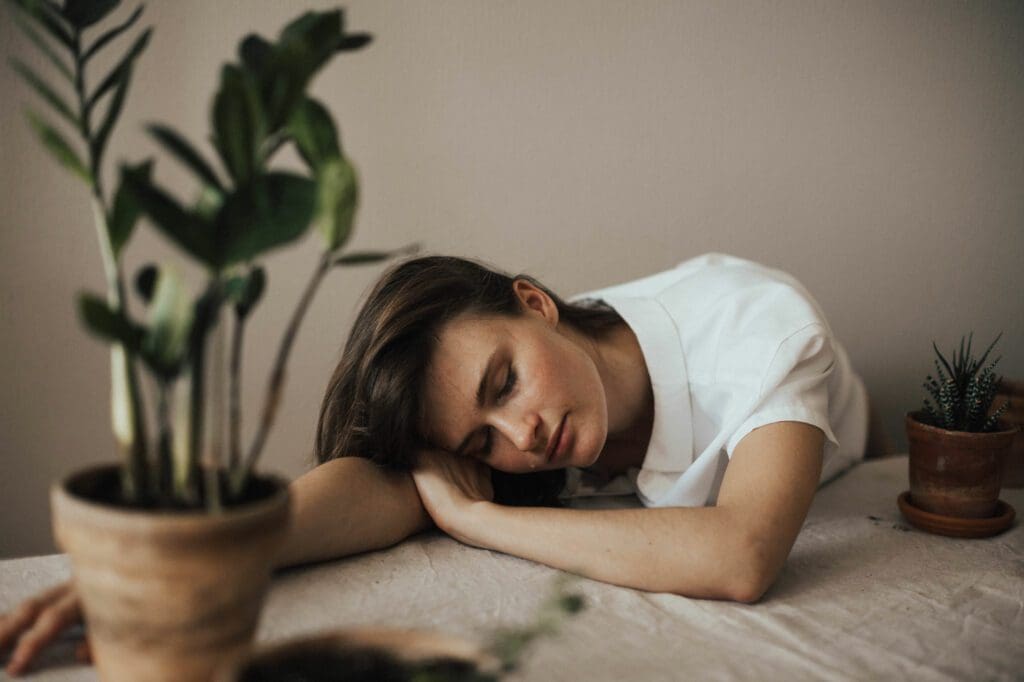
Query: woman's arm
[
  {"x": 731, "y": 551},
  {"x": 350, "y": 505}
]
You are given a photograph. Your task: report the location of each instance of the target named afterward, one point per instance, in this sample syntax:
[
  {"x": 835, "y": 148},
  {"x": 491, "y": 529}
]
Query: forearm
[
  {"x": 347, "y": 506},
  {"x": 695, "y": 552}
]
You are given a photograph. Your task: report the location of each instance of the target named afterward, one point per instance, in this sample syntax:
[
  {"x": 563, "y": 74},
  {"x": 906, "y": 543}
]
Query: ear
[{"x": 535, "y": 301}]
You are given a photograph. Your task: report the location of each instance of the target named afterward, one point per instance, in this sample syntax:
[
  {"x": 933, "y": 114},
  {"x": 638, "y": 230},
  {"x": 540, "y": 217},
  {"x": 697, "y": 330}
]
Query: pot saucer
[{"x": 954, "y": 526}]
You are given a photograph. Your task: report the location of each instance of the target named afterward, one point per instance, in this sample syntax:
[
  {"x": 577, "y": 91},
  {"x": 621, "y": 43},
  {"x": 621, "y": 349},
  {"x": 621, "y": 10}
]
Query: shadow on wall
[{"x": 880, "y": 443}]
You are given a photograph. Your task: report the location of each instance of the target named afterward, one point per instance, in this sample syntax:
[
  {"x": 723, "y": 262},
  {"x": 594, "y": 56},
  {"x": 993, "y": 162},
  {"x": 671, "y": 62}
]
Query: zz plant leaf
[
  {"x": 59, "y": 147},
  {"x": 337, "y": 200},
  {"x": 183, "y": 227},
  {"x": 186, "y": 153},
  {"x": 124, "y": 213},
  {"x": 237, "y": 122},
  {"x": 313, "y": 131},
  {"x": 44, "y": 13},
  {"x": 44, "y": 47},
  {"x": 84, "y": 13},
  {"x": 116, "y": 73},
  {"x": 107, "y": 323},
  {"x": 112, "y": 34},
  {"x": 43, "y": 89},
  {"x": 165, "y": 344},
  {"x": 270, "y": 211},
  {"x": 98, "y": 145},
  {"x": 246, "y": 290}
]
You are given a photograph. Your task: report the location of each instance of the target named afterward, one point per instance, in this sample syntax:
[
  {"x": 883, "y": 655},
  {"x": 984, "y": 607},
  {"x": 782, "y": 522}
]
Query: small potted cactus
[{"x": 958, "y": 445}]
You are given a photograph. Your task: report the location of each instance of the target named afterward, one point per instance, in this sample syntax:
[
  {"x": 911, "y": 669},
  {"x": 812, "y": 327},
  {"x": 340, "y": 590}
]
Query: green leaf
[
  {"x": 124, "y": 213},
  {"x": 115, "y": 74},
  {"x": 318, "y": 30},
  {"x": 253, "y": 51},
  {"x": 45, "y": 91},
  {"x": 49, "y": 19},
  {"x": 84, "y": 13},
  {"x": 44, "y": 47},
  {"x": 111, "y": 34},
  {"x": 208, "y": 203},
  {"x": 184, "y": 228},
  {"x": 183, "y": 150},
  {"x": 99, "y": 142},
  {"x": 337, "y": 200},
  {"x": 170, "y": 322},
  {"x": 237, "y": 122},
  {"x": 269, "y": 211},
  {"x": 354, "y": 41},
  {"x": 302, "y": 48},
  {"x": 59, "y": 147},
  {"x": 145, "y": 281},
  {"x": 370, "y": 257},
  {"x": 106, "y": 323},
  {"x": 314, "y": 133},
  {"x": 246, "y": 290}
]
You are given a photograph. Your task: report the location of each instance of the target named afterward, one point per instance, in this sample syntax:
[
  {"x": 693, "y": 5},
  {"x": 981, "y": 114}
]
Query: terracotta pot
[
  {"x": 956, "y": 473},
  {"x": 167, "y": 595},
  {"x": 363, "y": 654},
  {"x": 1008, "y": 389}
]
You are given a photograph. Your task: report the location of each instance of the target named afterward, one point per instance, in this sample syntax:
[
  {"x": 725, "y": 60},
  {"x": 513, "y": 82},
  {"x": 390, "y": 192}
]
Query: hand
[
  {"x": 449, "y": 486},
  {"x": 37, "y": 622}
]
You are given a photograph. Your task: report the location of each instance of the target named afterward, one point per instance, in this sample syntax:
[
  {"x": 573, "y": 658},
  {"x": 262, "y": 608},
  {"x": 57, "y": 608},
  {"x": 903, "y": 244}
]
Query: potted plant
[
  {"x": 957, "y": 445},
  {"x": 172, "y": 548}
]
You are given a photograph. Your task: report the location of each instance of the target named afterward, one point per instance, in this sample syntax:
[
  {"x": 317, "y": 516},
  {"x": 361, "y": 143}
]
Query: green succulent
[{"x": 963, "y": 392}]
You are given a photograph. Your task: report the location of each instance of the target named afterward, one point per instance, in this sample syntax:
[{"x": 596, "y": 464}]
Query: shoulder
[{"x": 703, "y": 284}]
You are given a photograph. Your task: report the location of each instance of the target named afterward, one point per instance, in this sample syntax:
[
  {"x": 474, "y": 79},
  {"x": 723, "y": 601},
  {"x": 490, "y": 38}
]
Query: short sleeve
[{"x": 794, "y": 386}]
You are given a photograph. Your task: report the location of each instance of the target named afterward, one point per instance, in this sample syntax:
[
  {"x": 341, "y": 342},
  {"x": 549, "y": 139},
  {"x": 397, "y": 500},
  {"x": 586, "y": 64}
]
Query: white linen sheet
[{"x": 863, "y": 596}]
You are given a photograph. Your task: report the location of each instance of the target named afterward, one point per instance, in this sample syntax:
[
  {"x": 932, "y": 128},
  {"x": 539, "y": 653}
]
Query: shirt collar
[{"x": 671, "y": 445}]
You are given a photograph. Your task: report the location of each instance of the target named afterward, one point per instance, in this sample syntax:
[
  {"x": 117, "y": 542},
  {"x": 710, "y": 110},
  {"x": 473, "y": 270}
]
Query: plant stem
[
  {"x": 164, "y": 481},
  {"x": 275, "y": 387},
  {"x": 206, "y": 317},
  {"x": 215, "y": 454},
  {"x": 127, "y": 414},
  {"x": 235, "y": 395}
]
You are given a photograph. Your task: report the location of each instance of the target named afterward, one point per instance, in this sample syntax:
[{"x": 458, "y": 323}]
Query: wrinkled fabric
[
  {"x": 863, "y": 596},
  {"x": 732, "y": 345}
]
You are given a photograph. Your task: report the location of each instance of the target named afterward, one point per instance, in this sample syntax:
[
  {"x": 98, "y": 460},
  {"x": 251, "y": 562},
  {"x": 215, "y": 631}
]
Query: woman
[{"x": 479, "y": 403}]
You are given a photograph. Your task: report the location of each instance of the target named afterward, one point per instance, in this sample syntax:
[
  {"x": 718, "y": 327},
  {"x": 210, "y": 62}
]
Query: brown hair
[{"x": 372, "y": 406}]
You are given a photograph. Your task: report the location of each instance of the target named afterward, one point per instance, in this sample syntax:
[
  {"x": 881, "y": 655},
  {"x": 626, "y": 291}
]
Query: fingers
[
  {"x": 40, "y": 622},
  {"x": 14, "y": 623}
]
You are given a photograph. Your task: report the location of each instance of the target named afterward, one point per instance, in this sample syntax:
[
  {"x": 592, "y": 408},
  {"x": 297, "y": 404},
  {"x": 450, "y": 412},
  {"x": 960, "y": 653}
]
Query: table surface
[{"x": 862, "y": 596}]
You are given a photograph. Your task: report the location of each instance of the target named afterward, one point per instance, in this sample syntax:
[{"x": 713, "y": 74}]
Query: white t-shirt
[{"x": 730, "y": 345}]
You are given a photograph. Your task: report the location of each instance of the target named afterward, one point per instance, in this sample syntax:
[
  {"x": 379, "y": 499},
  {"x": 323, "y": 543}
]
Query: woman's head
[{"x": 430, "y": 329}]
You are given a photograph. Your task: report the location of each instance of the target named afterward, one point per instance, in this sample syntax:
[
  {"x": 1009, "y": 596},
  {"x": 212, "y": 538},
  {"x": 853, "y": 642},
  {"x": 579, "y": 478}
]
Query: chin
[{"x": 591, "y": 455}]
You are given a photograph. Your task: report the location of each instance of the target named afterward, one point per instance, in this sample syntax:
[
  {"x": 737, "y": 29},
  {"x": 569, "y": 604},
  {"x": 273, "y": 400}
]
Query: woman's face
[{"x": 502, "y": 389}]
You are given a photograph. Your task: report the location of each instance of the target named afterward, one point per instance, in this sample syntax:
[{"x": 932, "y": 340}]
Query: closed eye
[{"x": 510, "y": 383}]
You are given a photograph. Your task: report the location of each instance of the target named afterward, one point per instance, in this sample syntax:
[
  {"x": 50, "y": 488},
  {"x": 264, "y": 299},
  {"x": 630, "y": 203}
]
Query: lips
[{"x": 553, "y": 442}]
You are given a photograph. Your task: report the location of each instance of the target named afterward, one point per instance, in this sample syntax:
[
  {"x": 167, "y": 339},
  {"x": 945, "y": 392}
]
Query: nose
[{"x": 522, "y": 429}]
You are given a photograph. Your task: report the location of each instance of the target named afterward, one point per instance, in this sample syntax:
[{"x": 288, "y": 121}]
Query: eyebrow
[{"x": 481, "y": 389}]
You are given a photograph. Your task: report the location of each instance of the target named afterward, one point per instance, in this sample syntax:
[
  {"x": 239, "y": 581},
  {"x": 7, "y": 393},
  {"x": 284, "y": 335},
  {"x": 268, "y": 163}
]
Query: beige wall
[{"x": 872, "y": 149}]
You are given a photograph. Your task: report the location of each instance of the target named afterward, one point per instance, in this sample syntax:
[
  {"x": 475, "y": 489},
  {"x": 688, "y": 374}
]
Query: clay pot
[
  {"x": 167, "y": 595},
  {"x": 359, "y": 654},
  {"x": 956, "y": 473},
  {"x": 1013, "y": 474}
]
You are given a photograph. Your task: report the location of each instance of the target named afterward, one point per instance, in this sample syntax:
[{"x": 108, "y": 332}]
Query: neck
[{"x": 627, "y": 385}]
